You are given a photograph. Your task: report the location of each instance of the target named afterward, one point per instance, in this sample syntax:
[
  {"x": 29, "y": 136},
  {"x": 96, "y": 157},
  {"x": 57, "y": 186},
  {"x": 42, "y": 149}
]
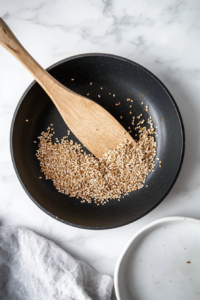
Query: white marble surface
[{"x": 163, "y": 36}]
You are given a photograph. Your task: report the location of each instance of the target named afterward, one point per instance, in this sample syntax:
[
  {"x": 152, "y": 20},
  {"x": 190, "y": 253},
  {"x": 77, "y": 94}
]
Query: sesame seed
[
  {"x": 99, "y": 96},
  {"x": 87, "y": 94},
  {"x": 130, "y": 112},
  {"x": 88, "y": 178},
  {"x": 26, "y": 120},
  {"x": 101, "y": 88},
  {"x": 72, "y": 79},
  {"x": 90, "y": 83},
  {"x": 113, "y": 95},
  {"x": 121, "y": 117}
]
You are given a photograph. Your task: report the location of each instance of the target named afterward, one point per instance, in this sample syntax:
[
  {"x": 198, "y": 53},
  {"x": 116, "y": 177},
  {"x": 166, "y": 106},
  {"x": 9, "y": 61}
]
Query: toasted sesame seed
[
  {"x": 26, "y": 120},
  {"x": 130, "y": 112},
  {"x": 109, "y": 93},
  {"x": 130, "y": 106},
  {"x": 90, "y": 83},
  {"x": 87, "y": 94},
  {"x": 121, "y": 117},
  {"x": 72, "y": 79},
  {"x": 82, "y": 175},
  {"x": 101, "y": 88}
]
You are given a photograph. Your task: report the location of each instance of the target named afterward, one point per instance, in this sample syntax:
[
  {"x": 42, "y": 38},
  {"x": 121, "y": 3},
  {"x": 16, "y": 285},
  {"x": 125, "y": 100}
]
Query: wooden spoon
[{"x": 90, "y": 122}]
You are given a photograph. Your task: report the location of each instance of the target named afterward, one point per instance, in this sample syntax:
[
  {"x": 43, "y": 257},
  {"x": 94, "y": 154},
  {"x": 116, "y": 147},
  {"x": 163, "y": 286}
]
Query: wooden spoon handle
[{"x": 11, "y": 43}]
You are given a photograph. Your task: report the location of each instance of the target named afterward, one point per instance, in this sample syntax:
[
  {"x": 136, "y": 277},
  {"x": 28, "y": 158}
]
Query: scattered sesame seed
[
  {"x": 131, "y": 100},
  {"x": 130, "y": 106},
  {"x": 130, "y": 112},
  {"x": 99, "y": 96},
  {"x": 142, "y": 103},
  {"x": 35, "y": 142},
  {"x": 101, "y": 88},
  {"x": 26, "y": 120},
  {"x": 121, "y": 117},
  {"x": 113, "y": 95},
  {"x": 90, "y": 83},
  {"x": 87, "y": 94},
  {"x": 72, "y": 79},
  {"x": 109, "y": 93}
]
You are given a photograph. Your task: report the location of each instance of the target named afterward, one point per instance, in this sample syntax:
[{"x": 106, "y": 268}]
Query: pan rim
[{"x": 173, "y": 102}]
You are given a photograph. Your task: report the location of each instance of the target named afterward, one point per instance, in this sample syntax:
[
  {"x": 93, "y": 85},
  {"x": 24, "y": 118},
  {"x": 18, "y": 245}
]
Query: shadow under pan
[{"x": 125, "y": 79}]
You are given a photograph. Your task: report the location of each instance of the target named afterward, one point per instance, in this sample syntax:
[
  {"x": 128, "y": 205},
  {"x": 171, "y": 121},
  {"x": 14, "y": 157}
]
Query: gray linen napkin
[{"x": 34, "y": 268}]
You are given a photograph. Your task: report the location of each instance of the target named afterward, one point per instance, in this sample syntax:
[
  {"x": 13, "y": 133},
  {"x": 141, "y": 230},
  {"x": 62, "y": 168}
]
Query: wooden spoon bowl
[{"x": 125, "y": 79}]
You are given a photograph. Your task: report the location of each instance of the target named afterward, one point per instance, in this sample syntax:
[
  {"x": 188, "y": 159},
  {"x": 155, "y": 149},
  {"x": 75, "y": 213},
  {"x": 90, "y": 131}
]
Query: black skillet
[{"x": 125, "y": 79}]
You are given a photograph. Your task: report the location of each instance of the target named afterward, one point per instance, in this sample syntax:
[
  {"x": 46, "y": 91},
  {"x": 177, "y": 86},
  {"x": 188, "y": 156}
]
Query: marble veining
[{"x": 163, "y": 36}]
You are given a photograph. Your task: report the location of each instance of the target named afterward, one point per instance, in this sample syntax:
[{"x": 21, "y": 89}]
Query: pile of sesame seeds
[{"x": 88, "y": 178}]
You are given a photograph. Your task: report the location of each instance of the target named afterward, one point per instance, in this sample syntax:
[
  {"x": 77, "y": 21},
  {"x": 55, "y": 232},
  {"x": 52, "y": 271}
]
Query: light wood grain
[{"x": 96, "y": 129}]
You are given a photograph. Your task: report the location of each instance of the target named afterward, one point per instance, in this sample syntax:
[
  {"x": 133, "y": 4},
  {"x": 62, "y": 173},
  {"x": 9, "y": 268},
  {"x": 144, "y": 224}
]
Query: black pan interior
[{"x": 125, "y": 79}]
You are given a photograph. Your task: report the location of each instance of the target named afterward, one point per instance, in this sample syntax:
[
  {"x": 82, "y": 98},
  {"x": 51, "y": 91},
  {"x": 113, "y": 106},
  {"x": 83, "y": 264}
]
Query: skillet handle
[{"x": 11, "y": 43}]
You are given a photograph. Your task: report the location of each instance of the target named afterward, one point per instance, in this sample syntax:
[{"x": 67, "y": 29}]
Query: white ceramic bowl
[{"x": 161, "y": 262}]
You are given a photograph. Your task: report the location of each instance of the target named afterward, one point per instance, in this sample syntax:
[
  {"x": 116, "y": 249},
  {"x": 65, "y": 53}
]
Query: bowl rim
[
  {"x": 114, "y": 56},
  {"x": 138, "y": 233}
]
